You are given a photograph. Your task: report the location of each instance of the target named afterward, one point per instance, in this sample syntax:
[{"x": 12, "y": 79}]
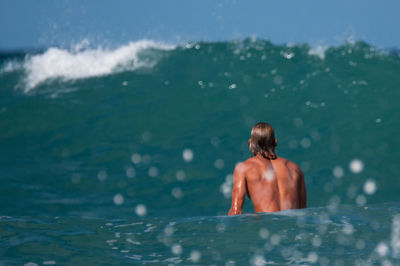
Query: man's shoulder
[
  {"x": 245, "y": 165},
  {"x": 242, "y": 166},
  {"x": 251, "y": 162},
  {"x": 289, "y": 163}
]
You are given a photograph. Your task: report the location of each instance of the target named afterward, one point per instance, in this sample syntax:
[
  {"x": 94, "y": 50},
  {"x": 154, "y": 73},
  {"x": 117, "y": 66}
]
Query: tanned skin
[{"x": 272, "y": 185}]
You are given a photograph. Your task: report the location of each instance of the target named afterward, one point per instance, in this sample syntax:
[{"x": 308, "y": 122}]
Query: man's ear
[
  {"x": 276, "y": 142},
  {"x": 249, "y": 141}
]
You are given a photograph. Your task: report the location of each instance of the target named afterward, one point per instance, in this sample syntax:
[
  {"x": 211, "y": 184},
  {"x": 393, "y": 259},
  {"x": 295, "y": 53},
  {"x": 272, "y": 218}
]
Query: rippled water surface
[{"x": 126, "y": 155}]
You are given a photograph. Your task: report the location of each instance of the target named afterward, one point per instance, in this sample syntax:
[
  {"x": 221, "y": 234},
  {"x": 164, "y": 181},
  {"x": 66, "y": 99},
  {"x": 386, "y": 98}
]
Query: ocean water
[{"x": 125, "y": 155}]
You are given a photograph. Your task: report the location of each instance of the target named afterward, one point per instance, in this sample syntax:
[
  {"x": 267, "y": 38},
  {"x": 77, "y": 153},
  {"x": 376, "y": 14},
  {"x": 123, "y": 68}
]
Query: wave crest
[{"x": 81, "y": 62}]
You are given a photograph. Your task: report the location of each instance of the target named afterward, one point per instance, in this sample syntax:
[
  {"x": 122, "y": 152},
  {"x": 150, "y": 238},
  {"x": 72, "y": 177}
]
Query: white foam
[
  {"x": 81, "y": 62},
  {"x": 319, "y": 51},
  {"x": 10, "y": 66}
]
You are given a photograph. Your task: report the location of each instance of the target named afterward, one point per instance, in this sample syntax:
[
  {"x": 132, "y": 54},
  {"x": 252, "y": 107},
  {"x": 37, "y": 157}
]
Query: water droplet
[
  {"x": 315, "y": 135},
  {"x": 298, "y": 122},
  {"x": 146, "y": 136},
  {"x": 361, "y": 200},
  {"x": 316, "y": 241},
  {"x": 180, "y": 175},
  {"x": 351, "y": 192},
  {"x": 269, "y": 175},
  {"x": 356, "y": 166},
  {"x": 176, "y": 249},
  {"x": 258, "y": 260},
  {"x": 348, "y": 229},
  {"x": 278, "y": 80},
  {"x": 215, "y": 141},
  {"x": 187, "y": 155},
  {"x": 275, "y": 239},
  {"x": 136, "y": 158},
  {"x": 153, "y": 171},
  {"x": 102, "y": 175},
  {"x": 130, "y": 172},
  {"x": 264, "y": 233},
  {"x": 312, "y": 257},
  {"x": 141, "y": 210},
  {"x": 288, "y": 55},
  {"x": 169, "y": 230},
  {"x": 232, "y": 86},
  {"x": 195, "y": 256},
  {"x": 338, "y": 172},
  {"x": 382, "y": 249},
  {"x": 305, "y": 143},
  {"x": 219, "y": 164},
  {"x": 370, "y": 187},
  {"x": 226, "y": 189},
  {"x": 118, "y": 199},
  {"x": 177, "y": 193},
  {"x": 395, "y": 236}
]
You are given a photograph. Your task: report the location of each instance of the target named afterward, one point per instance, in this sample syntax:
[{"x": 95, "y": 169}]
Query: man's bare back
[{"x": 271, "y": 184}]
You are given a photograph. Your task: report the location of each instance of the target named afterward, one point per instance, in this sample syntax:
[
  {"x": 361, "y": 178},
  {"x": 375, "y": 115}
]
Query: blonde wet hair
[{"x": 262, "y": 140}]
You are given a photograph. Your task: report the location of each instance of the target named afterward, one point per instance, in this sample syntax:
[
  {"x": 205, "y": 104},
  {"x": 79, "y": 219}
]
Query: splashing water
[{"x": 82, "y": 62}]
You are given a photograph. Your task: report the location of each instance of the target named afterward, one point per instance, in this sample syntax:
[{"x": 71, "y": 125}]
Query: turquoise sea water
[{"x": 125, "y": 155}]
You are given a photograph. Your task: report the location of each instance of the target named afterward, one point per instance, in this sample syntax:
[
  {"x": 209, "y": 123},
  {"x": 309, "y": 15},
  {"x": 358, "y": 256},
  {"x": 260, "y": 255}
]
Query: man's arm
[
  {"x": 303, "y": 196},
  {"x": 239, "y": 190}
]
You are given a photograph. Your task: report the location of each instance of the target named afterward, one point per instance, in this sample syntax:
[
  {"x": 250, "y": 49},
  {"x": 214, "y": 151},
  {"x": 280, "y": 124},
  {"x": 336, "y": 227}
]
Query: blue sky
[{"x": 30, "y": 24}]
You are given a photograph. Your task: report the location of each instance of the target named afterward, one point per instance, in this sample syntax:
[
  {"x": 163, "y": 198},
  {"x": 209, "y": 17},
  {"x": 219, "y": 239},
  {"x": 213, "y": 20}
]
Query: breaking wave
[{"x": 82, "y": 62}]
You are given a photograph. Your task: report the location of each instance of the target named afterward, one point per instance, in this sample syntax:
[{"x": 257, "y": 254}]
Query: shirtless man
[{"x": 271, "y": 182}]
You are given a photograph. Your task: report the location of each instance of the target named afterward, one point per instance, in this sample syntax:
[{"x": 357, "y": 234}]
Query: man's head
[{"x": 263, "y": 141}]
